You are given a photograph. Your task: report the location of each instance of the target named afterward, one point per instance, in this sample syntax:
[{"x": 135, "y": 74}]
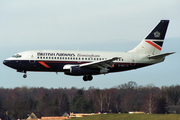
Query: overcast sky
[{"x": 97, "y": 25}]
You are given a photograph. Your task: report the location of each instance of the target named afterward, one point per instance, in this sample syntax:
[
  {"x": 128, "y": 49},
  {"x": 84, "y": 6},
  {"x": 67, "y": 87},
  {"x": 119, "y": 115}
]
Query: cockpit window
[{"x": 17, "y": 56}]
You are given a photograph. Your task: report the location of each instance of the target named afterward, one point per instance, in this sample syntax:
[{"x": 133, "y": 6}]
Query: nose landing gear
[
  {"x": 23, "y": 71},
  {"x": 25, "y": 75}
]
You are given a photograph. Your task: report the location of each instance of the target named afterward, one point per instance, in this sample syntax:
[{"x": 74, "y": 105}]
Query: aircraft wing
[
  {"x": 160, "y": 55},
  {"x": 100, "y": 64}
]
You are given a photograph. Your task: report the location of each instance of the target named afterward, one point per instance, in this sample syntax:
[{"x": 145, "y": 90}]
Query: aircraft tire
[
  {"x": 24, "y": 76},
  {"x": 87, "y": 77},
  {"x": 90, "y": 77}
]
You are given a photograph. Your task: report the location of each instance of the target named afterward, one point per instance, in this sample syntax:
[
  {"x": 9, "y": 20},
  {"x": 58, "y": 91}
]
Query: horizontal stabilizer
[{"x": 160, "y": 55}]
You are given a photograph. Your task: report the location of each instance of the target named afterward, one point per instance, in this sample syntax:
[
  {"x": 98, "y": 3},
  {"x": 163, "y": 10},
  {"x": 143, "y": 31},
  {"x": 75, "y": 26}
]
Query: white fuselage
[{"x": 127, "y": 60}]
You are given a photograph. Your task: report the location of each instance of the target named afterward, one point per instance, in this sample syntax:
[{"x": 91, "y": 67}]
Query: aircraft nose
[
  {"x": 8, "y": 63},
  {"x": 5, "y": 62},
  {"x": 16, "y": 64}
]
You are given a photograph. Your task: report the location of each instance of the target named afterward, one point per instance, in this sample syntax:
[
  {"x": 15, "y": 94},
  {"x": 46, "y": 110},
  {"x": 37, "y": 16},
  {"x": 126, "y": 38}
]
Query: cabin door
[{"x": 32, "y": 58}]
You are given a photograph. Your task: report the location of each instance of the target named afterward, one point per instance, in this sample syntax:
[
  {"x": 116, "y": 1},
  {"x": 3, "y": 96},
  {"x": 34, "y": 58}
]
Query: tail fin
[{"x": 153, "y": 43}]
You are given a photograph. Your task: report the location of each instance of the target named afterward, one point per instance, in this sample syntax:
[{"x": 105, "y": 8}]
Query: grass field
[{"x": 131, "y": 117}]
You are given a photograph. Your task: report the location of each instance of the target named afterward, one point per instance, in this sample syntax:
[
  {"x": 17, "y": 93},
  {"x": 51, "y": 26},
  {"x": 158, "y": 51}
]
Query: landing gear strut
[{"x": 87, "y": 78}]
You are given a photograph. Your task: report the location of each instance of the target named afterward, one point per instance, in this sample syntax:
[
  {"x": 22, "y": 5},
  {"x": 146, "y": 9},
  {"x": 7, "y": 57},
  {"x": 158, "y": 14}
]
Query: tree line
[{"x": 21, "y": 101}]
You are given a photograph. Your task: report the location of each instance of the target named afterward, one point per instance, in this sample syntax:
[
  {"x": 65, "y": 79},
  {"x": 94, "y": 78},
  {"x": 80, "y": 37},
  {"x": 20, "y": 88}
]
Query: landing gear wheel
[
  {"x": 87, "y": 77},
  {"x": 24, "y": 76}
]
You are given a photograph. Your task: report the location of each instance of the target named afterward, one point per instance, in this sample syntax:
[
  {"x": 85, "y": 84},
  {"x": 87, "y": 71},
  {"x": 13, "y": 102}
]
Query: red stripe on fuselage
[
  {"x": 44, "y": 64},
  {"x": 153, "y": 44}
]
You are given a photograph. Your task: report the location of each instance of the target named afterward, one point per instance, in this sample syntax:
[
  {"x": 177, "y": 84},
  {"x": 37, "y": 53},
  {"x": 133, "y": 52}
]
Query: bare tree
[
  {"x": 149, "y": 105},
  {"x": 99, "y": 101},
  {"x": 150, "y": 100},
  {"x": 108, "y": 97}
]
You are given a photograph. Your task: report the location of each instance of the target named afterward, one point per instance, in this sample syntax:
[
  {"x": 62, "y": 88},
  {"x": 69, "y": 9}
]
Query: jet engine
[{"x": 76, "y": 70}]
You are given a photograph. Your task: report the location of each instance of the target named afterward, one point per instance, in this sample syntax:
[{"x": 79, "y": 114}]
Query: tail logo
[
  {"x": 157, "y": 34},
  {"x": 156, "y": 44}
]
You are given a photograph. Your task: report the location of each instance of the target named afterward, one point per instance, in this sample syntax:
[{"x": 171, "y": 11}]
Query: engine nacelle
[{"x": 76, "y": 70}]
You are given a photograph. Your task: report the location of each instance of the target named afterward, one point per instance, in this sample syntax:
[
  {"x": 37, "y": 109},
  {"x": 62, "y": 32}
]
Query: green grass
[{"x": 131, "y": 117}]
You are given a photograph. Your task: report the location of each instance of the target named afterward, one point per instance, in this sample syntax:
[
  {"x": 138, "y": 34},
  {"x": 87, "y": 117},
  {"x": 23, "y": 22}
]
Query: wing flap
[{"x": 100, "y": 64}]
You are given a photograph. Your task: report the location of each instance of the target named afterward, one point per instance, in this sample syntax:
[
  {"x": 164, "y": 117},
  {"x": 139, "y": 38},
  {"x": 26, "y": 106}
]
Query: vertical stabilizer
[{"x": 153, "y": 43}]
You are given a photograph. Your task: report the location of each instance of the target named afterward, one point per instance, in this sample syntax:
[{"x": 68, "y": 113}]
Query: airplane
[{"x": 88, "y": 63}]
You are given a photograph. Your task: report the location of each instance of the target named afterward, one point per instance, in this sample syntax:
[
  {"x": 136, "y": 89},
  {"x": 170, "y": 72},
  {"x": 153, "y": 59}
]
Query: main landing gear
[{"x": 87, "y": 77}]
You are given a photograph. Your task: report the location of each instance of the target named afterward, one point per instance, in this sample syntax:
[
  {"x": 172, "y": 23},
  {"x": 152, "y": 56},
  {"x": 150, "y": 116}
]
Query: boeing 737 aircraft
[{"x": 88, "y": 63}]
